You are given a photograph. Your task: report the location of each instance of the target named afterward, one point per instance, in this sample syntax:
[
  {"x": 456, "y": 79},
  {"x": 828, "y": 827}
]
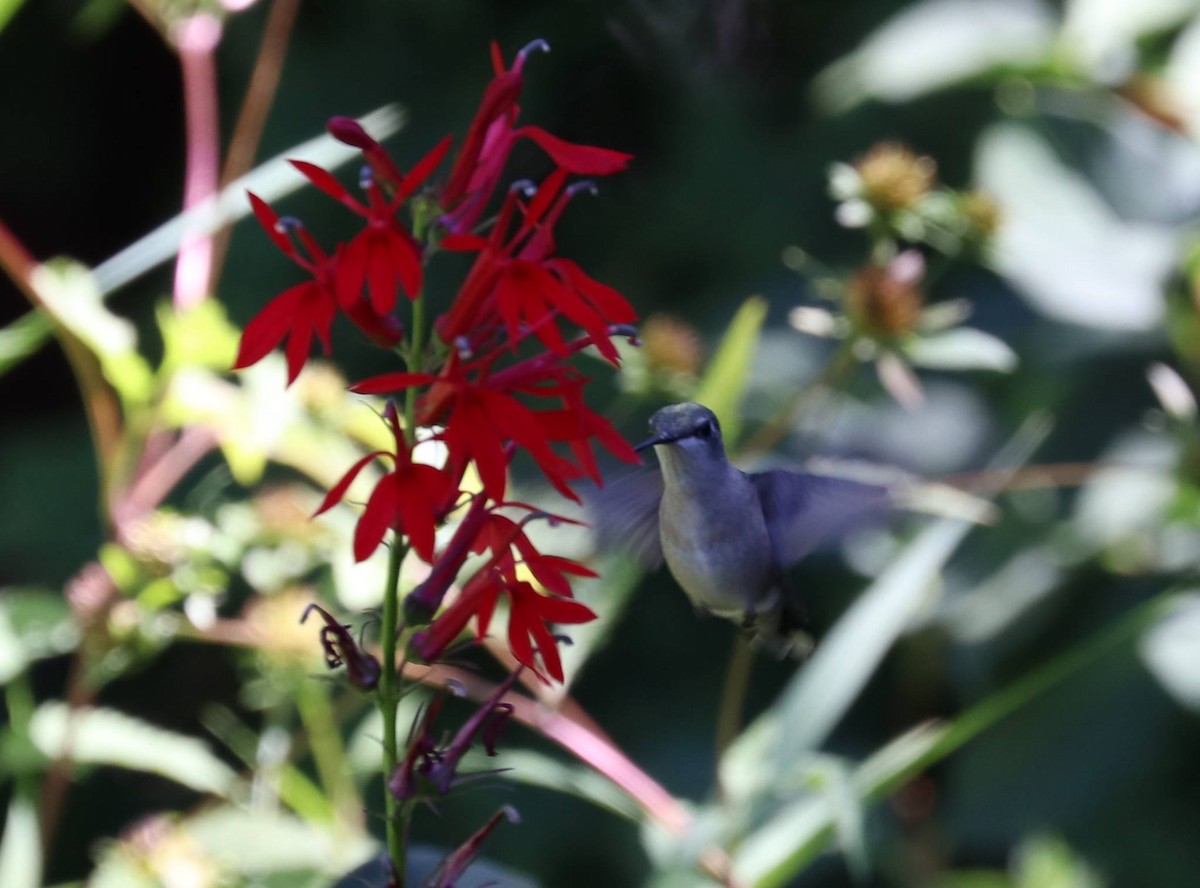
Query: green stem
[
  {"x": 733, "y": 699},
  {"x": 389, "y": 702},
  {"x": 830, "y": 377},
  {"x": 398, "y": 815},
  {"x": 416, "y": 363}
]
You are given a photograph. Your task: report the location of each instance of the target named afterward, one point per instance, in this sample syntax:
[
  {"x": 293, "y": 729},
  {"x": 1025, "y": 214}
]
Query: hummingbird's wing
[
  {"x": 805, "y": 511},
  {"x": 624, "y": 516}
]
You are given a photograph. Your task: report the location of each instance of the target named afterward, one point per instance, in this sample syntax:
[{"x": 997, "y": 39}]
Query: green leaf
[
  {"x": 34, "y": 623},
  {"x": 21, "y": 848},
  {"x": 293, "y": 787},
  {"x": 933, "y": 44},
  {"x": 257, "y": 842},
  {"x": 233, "y": 846},
  {"x": 117, "y": 869},
  {"x": 687, "y": 878},
  {"x": 1062, "y": 246},
  {"x": 106, "y": 737},
  {"x": 724, "y": 382},
  {"x": 23, "y": 337},
  {"x": 73, "y": 297},
  {"x": 1171, "y": 650},
  {"x": 974, "y": 879},
  {"x": 963, "y": 348},
  {"x": 198, "y": 337},
  {"x": 798, "y": 832},
  {"x": 8, "y": 8},
  {"x": 1049, "y": 862}
]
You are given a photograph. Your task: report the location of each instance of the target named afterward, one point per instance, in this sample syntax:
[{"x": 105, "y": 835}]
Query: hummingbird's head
[{"x": 693, "y": 425}]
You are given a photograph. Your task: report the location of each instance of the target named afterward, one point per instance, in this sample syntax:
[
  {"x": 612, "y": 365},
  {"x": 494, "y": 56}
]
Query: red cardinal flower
[
  {"x": 529, "y": 610},
  {"x": 479, "y": 424},
  {"x": 413, "y": 498},
  {"x": 490, "y": 139},
  {"x": 306, "y": 310},
  {"x": 516, "y": 281},
  {"x": 502, "y": 535},
  {"x": 384, "y": 255},
  {"x": 529, "y": 617},
  {"x": 300, "y": 312}
]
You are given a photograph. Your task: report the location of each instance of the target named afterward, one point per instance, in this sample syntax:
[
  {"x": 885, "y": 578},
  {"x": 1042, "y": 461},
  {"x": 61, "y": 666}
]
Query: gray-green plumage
[{"x": 727, "y": 536}]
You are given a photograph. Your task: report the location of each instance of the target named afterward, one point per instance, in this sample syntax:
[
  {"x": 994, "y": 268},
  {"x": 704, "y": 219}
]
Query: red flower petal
[
  {"x": 422, "y": 169},
  {"x": 339, "y": 490},
  {"x": 267, "y": 328},
  {"x": 326, "y": 182},
  {"x": 391, "y": 382},
  {"x": 546, "y": 193},
  {"x": 611, "y": 304},
  {"x": 463, "y": 243},
  {"x": 377, "y": 519},
  {"x": 584, "y": 160},
  {"x": 269, "y": 220}
]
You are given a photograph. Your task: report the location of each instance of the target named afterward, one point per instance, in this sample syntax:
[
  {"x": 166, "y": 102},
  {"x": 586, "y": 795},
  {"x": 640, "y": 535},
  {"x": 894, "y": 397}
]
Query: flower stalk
[
  {"x": 466, "y": 387},
  {"x": 388, "y": 697}
]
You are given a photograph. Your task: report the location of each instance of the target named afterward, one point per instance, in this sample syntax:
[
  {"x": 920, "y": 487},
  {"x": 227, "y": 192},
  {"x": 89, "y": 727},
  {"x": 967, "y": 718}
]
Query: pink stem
[{"x": 196, "y": 40}]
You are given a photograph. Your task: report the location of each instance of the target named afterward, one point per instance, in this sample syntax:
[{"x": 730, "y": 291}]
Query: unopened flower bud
[
  {"x": 893, "y": 177},
  {"x": 881, "y": 302},
  {"x": 671, "y": 345}
]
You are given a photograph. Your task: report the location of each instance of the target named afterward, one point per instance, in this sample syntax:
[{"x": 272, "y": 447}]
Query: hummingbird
[{"x": 728, "y": 536}]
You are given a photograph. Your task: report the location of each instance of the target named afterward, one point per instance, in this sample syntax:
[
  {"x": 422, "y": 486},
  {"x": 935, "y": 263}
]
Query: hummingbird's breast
[{"x": 716, "y": 545}]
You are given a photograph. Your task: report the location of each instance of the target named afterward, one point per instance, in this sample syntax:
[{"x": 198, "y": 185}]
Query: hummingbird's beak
[
  {"x": 657, "y": 439},
  {"x": 645, "y": 445}
]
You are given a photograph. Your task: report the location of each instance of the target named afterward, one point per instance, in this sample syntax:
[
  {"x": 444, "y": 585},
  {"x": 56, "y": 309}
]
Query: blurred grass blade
[
  {"x": 22, "y": 338},
  {"x": 849, "y": 819},
  {"x": 774, "y": 853},
  {"x": 270, "y": 181},
  {"x": 279, "y": 779},
  {"x": 537, "y": 769},
  {"x": 107, "y": 737},
  {"x": 799, "y": 832},
  {"x": 21, "y": 848},
  {"x": 824, "y": 689},
  {"x": 725, "y": 380}
]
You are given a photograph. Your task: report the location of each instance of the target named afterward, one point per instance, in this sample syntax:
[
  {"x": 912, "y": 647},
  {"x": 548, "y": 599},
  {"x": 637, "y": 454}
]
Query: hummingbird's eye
[{"x": 706, "y": 430}]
